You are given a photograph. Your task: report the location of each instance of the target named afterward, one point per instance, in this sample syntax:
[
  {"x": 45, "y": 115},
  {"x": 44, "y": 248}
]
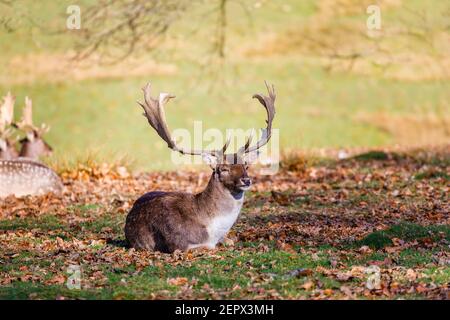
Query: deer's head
[
  {"x": 230, "y": 169},
  {"x": 33, "y": 145},
  {"x": 234, "y": 177}
]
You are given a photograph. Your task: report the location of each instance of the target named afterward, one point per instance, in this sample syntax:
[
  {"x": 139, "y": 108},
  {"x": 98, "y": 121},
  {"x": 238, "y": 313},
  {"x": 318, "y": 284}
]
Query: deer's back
[
  {"x": 164, "y": 221},
  {"x": 21, "y": 177}
]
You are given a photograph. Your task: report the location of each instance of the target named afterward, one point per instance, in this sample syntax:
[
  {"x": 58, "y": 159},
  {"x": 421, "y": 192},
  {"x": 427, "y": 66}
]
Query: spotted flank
[{"x": 22, "y": 177}]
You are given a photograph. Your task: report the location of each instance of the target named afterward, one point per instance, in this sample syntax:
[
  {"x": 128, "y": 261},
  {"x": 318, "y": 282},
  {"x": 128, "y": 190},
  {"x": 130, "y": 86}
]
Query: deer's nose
[{"x": 246, "y": 181}]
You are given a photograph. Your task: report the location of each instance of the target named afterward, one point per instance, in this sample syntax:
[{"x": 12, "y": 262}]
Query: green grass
[
  {"x": 235, "y": 268},
  {"x": 271, "y": 244},
  {"x": 45, "y": 223},
  {"x": 22, "y": 291},
  {"x": 432, "y": 174},
  {"x": 232, "y": 271},
  {"x": 372, "y": 155},
  {"x": 315, "y": 108},
  {"x": 407, "y": 232}
]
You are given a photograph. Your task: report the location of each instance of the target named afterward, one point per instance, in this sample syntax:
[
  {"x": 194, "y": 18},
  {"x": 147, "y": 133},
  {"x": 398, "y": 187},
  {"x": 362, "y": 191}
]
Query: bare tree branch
[{"x": 114, "y": 29}]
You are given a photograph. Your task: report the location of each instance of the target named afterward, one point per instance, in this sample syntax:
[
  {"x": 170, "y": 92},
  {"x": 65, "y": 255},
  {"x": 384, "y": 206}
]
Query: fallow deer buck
[
  {"x": 20, "y": 176},
  {"x": 167, "y": 221}
]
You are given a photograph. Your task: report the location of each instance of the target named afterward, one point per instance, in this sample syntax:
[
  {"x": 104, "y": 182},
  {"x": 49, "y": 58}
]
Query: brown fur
[
  {"x": 35, "y": 147},
  {"x": 167, "y": 221},
  {"x": 176, "y": 220},
  {"x": 10, "y": 152},
  {"x": 22, "y": 177}
]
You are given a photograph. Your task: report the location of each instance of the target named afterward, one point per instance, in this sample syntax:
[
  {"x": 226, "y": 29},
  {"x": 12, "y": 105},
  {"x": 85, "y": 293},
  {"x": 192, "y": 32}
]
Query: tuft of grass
[
  {"x": 27, "y": 290},
  {"x": 377, "y": 240},
  {"x": 432, "y": 174},
  {"x": 405, "y": 231},
  {"x": 295, "y": 162},
  {"x": 412, "y": 258},
  {"x": 90, "y": 160},
  {"x": 113, "y": 221},
  {"x": 44, "y": 223},
  {"x": 372, "y": 155},
  {"x": 299, "y": 161}
]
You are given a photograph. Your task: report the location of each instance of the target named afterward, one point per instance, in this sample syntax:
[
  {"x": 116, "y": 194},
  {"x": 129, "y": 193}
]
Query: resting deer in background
[
  {"x": 23, "y": 175},
  {"x": 167, "y": 221},
  {"x": 33, "y": 145},
  {"x": 7, "y": 142}
]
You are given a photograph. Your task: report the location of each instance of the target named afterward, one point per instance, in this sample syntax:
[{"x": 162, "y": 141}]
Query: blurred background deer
[
  {"x": 20, "y": 172},
  {"x": 33, "y": 145}
]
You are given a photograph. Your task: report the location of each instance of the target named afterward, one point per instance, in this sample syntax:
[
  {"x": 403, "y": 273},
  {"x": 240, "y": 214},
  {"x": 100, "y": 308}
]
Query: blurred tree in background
[{"x": 339, "y": 86}]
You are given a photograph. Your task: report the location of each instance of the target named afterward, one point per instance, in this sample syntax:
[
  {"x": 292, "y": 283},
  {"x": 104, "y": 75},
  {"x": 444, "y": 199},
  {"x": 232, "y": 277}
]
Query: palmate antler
[
  {"x": 6, "y": 113},
  {"x": 26, "y": 122},
  {"x": 269, "y": 104},
  {"x": 155, "y": 114}
]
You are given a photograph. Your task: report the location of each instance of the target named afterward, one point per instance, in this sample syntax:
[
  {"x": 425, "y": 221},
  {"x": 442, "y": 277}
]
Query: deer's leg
[{"x": 145, "y": 241}]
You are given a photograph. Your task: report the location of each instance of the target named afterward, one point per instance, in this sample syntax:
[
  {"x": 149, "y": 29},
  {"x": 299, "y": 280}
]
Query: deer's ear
[{"x": 210, "y": 160}]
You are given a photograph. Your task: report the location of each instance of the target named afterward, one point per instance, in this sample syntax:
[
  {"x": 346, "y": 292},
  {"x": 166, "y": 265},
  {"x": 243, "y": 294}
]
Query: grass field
[
  {"x": 322, "y": 103},
  {"x": 372, "y": 227}
]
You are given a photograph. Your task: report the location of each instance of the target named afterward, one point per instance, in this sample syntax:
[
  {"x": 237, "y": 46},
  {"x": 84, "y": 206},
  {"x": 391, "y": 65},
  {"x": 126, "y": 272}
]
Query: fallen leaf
[
  {"x": 307, "y": 285},
  {"x": 179, "y": 281}
]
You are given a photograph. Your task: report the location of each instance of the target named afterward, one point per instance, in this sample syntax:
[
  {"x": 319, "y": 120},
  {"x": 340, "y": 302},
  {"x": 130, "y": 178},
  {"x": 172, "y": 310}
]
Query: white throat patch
[{"x": 219, "y": 225}]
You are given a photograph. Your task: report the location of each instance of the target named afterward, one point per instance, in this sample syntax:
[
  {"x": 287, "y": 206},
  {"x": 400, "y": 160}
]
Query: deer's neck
[
  {"x": 217, "y": 200},
  {"x": 28, "y": 150}
]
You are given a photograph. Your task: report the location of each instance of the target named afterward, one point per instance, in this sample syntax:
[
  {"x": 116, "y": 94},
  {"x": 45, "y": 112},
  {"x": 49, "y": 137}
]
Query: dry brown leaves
[{"x": 333, "y": 204}]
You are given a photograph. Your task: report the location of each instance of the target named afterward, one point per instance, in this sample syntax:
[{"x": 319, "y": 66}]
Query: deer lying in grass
[
  {"x": 167, "y": 221},
  {"x": 21, "y": 174},
  {"x": 23, "y": 177}
]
